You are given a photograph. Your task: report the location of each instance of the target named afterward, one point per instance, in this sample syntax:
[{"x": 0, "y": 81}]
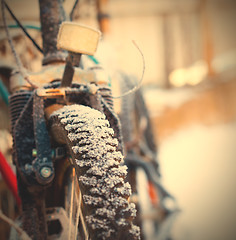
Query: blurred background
[{"x": 189, "y": 85}]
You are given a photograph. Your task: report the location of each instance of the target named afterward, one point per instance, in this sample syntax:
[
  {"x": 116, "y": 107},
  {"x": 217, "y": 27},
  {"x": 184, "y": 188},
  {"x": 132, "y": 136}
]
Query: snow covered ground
[
  {"x": 198, "y": 167},
  {"x": 158, "y": 99}
]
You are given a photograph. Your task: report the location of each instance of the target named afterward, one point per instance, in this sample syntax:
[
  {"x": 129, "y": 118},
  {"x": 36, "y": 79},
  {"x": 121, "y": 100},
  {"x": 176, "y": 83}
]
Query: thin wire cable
[
  {"x": 23, "y": 28},
  {"x": 73, "y": 9},
  {"x": 17, "y": 59},
  {"x": 135, "y": 88}
]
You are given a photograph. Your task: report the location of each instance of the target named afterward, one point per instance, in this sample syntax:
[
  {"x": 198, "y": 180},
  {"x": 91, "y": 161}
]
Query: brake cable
[{"x": 22, "y": 27}]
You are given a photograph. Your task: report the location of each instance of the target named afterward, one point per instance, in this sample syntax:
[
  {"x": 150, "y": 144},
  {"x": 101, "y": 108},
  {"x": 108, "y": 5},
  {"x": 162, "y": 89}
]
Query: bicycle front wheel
[{"x": 104, "y": 206}]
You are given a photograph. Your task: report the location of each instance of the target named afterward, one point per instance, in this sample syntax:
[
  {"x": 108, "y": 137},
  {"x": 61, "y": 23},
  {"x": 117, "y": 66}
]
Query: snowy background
[
  {"x": 198, "y": 167},
  {"x": 197, "y": 157}
]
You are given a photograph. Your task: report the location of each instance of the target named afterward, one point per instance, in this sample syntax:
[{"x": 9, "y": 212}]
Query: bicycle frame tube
[{"x": 52, "y": 14}]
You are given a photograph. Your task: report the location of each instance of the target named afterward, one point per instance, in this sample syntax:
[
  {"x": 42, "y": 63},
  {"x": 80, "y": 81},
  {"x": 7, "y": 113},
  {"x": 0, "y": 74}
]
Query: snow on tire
[{"x": 101, "y": 178}]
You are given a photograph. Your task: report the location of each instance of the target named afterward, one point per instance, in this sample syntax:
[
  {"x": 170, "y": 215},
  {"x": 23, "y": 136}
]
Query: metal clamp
[{"x": 51, "y": 93}]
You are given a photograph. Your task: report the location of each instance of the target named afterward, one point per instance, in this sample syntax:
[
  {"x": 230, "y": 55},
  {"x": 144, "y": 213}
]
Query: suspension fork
[{"x": 52, "y": 14}]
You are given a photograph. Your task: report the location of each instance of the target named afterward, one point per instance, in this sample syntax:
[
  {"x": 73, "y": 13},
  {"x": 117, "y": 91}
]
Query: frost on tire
[{"x": 101, "y": 178}]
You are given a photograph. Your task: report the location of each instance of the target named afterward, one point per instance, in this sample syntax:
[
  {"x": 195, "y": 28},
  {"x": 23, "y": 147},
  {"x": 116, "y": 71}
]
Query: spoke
[
  {"x": 75, "y": 204},
  {"x": 71, "y": 202},
  {"x": 78, "y": 203},
  {"x": 82, "y": 220}
]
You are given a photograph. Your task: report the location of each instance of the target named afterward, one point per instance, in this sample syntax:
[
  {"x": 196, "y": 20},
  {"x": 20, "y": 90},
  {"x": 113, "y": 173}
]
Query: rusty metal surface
[
  {"x": 52, "y": 15},
  {"x": 51, "y": 93},
  {"x": 42, "y": 164},
  {"x": 51, "y": 73},
  {"x": 72, "y": 61}
]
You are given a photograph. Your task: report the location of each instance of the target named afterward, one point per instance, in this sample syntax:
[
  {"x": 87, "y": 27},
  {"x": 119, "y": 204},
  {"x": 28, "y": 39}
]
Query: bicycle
[
  {"x": 67, "y": 143},
  {"x": 54, "y": 159}
]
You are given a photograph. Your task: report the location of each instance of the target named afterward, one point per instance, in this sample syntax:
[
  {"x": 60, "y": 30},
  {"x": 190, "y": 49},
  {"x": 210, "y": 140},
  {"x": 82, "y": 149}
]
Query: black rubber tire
[
  {"x": 133, "y": 108},
  {"x": 107, "y": 212}
]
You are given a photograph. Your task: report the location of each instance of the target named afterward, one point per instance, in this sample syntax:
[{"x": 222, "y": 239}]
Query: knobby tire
[{"x": 101, "y": 177}]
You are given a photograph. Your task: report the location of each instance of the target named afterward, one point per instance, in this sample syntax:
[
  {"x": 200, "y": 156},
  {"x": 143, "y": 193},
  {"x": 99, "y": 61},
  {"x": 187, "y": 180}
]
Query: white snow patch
[
  {"x": 198, "y": 168},
  {"x": 159, "y": 99}
]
